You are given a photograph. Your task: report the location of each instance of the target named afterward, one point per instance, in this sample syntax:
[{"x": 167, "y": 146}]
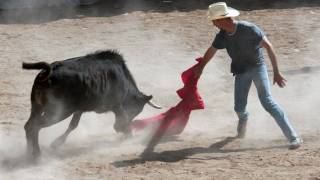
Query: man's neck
[{"x": 231, "y": 27}]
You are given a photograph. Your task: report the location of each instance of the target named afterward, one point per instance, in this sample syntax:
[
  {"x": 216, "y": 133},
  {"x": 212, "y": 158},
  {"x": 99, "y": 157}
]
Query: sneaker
[
  {"x": 296, "y": 143},
  {"x": 241, "y": 129}
]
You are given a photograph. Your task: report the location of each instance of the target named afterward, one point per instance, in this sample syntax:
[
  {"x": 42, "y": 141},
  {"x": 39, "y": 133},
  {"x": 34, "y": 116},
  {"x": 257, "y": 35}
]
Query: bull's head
[{"x": 130, "y": 109}]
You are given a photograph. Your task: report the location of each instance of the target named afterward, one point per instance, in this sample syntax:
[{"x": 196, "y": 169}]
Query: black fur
[{"x": 99, "y": 82}]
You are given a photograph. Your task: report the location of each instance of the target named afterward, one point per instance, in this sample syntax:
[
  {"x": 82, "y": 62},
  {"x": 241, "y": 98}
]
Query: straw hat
[{"x": 220, "y": 10}]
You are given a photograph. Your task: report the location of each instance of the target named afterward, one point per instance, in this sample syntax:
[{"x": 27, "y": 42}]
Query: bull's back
[{"x": 87, "y": 83}]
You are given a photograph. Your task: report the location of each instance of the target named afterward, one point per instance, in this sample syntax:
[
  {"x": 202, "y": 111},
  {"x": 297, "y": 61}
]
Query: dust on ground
[{"x": 160, "y": 39}]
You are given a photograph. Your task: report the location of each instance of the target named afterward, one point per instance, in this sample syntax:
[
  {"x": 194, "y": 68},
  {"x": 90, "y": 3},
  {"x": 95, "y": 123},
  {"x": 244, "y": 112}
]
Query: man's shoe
[
  {"x": 296, "y": 143},
  {"x": 241, "y": 129}
]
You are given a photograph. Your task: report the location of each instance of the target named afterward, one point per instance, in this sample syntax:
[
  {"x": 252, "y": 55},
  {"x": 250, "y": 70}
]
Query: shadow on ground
[
  {"x": 299, "y": 71},
  {"x": 107, "y": 8},
  {"x": 178, "y": 155}
]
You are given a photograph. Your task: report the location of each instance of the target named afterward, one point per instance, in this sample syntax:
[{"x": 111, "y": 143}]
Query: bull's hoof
[
  {"x": 126, "y": 131},
  {"x": 58, "y": 142},
  {"x": 118, "y": 127},
  {"x": 33, "y": 156}
]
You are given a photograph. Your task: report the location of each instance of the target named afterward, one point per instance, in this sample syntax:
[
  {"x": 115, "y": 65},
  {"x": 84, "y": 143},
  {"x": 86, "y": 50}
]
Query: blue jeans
[{"x": 259, "y": 76}]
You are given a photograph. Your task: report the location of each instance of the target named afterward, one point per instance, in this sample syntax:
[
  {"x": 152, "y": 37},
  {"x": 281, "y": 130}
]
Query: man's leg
[
  {"x": 262, "y": 84},
  {"x": 241, "y": 90}
]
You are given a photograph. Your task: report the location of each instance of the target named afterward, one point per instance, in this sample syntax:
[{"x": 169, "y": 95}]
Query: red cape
[{"x": 173, "y": 121}]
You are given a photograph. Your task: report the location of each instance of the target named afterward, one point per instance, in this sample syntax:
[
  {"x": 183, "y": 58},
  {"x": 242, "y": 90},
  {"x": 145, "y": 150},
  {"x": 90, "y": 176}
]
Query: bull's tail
[
  {"x": 38, "y": 65},
  {"x": 45, "y": 74}
]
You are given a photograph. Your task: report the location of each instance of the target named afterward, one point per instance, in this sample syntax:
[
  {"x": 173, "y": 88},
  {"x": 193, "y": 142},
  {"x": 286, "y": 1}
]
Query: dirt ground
[{"x": 159, "y": 40}]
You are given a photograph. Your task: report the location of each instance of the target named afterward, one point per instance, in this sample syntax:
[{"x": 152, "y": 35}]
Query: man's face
[{"x": 219, "y": 23}]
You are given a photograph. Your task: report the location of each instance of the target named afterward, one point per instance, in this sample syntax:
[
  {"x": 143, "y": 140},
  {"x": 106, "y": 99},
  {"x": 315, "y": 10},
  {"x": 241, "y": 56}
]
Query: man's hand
[
  {"x": 279, "y": 79},
  {"x": 203, "y": 61},
  {"x": 197, "y": 72}
]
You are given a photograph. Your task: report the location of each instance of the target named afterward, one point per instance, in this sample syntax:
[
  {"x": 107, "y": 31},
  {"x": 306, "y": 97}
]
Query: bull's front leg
[{"x": 122, "y": 123}]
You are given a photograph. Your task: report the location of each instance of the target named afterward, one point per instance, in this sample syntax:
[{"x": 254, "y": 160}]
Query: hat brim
[{"x": 231, "y": 13}]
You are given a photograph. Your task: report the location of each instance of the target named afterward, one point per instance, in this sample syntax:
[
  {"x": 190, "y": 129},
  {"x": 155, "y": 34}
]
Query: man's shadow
[{"x": 178, "y": 155}]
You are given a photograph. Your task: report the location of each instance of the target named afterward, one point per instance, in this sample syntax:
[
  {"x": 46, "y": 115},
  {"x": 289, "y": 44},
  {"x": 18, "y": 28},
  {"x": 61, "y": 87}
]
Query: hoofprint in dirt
[{"x": 158, "y": 46}]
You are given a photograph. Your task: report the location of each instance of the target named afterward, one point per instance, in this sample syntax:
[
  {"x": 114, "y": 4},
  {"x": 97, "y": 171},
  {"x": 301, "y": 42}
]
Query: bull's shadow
[
  {"x": 178, "y": 155},
  {"x": 106, "y": 8}
]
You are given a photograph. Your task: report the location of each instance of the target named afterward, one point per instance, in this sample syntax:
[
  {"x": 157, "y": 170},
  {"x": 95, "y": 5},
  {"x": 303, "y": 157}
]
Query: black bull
[{"x": 98, "y": 82}]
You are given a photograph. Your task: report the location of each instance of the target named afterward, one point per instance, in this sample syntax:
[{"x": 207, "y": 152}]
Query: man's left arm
[{"x": 277, "y": 76}]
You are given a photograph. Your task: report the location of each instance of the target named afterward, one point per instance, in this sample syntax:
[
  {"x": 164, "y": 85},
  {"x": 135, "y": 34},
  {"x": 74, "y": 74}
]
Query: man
[{"x": 244, "y": 42}]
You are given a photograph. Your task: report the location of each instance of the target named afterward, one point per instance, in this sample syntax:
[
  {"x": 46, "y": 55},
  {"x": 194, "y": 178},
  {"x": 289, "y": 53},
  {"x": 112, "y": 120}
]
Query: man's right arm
[{"x": 206, "y": 58}]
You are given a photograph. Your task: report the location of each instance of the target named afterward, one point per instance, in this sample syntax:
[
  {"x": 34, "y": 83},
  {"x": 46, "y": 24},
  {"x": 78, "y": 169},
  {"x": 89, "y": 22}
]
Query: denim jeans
[{"x": 259, "y": 76}]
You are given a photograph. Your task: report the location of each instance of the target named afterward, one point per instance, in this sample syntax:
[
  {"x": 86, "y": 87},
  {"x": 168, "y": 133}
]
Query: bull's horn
[{"x": 152, "y": 104}]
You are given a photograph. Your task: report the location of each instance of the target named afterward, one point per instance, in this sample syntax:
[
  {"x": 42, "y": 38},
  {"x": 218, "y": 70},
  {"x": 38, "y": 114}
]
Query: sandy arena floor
[{"x": 159, "y": 40}]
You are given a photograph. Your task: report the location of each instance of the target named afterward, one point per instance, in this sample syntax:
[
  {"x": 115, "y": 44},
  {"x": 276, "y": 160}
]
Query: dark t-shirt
[{"x": 243, "y": 46}]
